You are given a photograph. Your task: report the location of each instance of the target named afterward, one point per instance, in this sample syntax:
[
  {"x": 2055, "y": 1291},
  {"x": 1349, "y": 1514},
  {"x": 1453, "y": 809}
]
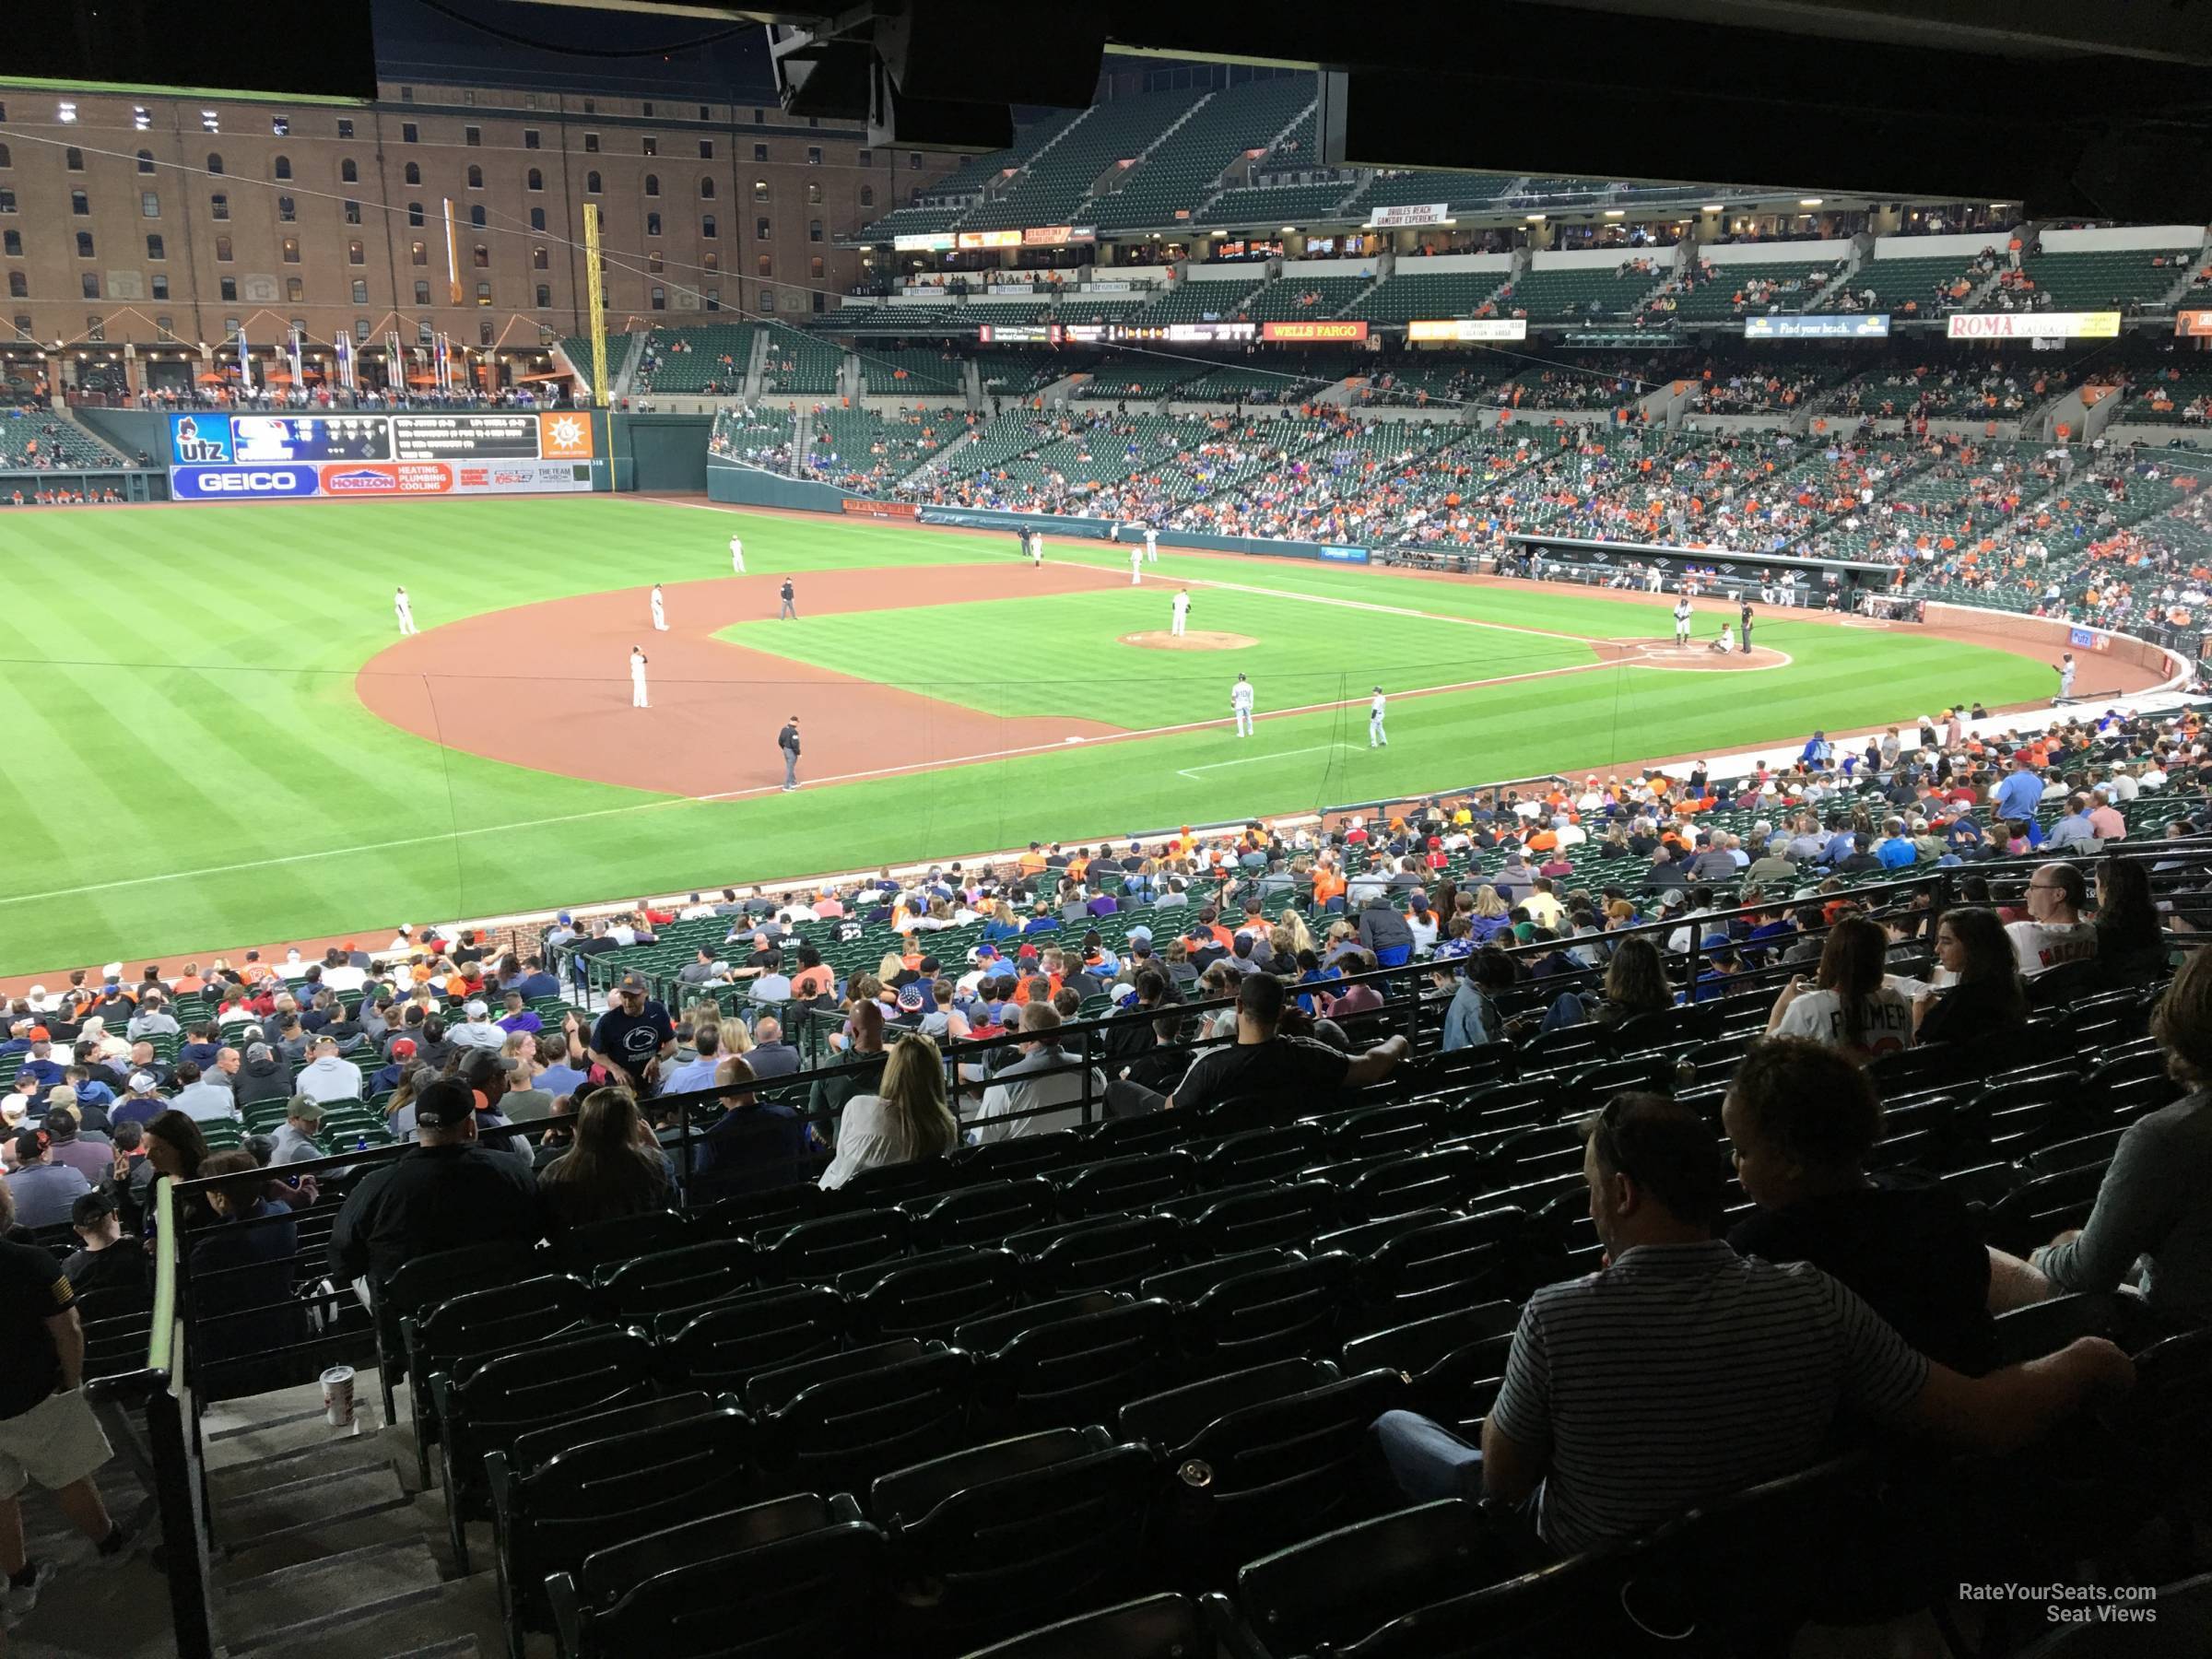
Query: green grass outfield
[{"x": 189, "y": 766}]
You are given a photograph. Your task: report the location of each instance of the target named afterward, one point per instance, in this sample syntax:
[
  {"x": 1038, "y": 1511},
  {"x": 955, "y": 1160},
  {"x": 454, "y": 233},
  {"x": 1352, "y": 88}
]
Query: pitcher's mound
[
  {"x": 1161, "y": 639},
  {"x": 1696, "y": 658}
]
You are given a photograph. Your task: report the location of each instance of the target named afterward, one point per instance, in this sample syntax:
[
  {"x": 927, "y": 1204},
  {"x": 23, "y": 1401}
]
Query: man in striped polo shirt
[{"x": 1682, "y": 1371}]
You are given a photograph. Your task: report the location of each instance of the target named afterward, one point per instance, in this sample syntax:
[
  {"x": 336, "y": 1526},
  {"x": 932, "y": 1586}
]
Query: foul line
[{"x": 1191, "y": 772}]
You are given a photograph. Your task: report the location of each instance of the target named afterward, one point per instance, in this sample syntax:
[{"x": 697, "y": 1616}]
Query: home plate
[{"x": 1071, "y": 739}]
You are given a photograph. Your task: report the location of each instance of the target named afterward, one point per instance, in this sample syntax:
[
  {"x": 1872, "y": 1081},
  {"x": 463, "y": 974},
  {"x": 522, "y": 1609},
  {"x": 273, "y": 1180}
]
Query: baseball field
[{"x": 217, "y": 738}]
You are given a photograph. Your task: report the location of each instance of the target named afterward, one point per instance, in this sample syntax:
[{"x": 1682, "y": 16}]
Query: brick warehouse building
[{"x": 163, "y": 222}]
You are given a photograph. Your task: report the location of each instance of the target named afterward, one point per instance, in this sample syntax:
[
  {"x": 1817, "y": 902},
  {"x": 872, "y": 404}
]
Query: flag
[
  {"x": 395, "y": 370},
  {"x": 445, "y": 365},
  {"x": 344, "y": 355},
  {"x": 299, "y": 380},
  {"x": 245, "y": 364}
]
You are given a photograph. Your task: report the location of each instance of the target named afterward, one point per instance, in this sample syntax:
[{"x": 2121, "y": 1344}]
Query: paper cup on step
[{"x": 337, "y": 1396}]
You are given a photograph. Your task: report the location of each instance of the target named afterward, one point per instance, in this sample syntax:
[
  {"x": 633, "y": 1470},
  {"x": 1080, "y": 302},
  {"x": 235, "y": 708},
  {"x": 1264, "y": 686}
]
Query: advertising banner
[
  {"x": 861, "y": 507},
  {"x": 931, "y": 242},
  {"x": 1427, "y": 213},
  {"x": 2193, "y": 322},
  {"x": 248, "y": 457},
  {"x": 1333, "y": 331},
  {"x": 988, "y": 239},
  {"x": 2034, "y": 326},
  {"x": 1344, "y": 555},
  {"x": 1871, "y": 326},
  {"x": 1470, "y": 328}
]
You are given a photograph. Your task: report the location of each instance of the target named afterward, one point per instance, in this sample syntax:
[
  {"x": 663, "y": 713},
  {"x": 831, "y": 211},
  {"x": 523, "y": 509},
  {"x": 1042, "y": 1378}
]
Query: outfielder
[
  {"x": 1151, "y": 545},
  {"x": 1137, "y": 564},
  {"x": 660, "y": 611},
  {"x": 737, "y": 556},
  {"x": 1036, "y": 549},
  {"x": 637, "y": 678},
  {"x": 404, "y": 608},
  {"x": 1179, "y": 610},
  {"x": 1240, "y": 703},
  {"x": 1375, "y": 738}
]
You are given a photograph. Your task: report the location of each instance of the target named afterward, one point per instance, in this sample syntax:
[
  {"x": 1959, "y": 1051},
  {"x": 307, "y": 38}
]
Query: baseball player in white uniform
[
  {"x": 660, "y": 611},
  {"x": 1151, "y": 545},
  {"x": 1682, "y": 616},
  {"x": 1375, "y": 738},
  {"x": 1179, "y": 611},
  {"x": 737, "y": 556},
  {"x": 637, "y": 678},
  {"x": 1037, "y": 549},
  {"x": 2066, "y": 678},
  {"x": 1240, "y": 703},
  {"x": 1137, "y": 564},
  {"x": 404, "y": 608}
]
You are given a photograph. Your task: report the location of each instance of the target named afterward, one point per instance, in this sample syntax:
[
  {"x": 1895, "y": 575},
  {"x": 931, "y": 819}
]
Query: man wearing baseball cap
[
  {"x": 446, "y": 1193},
  {"x": 634, "y": 1036}
]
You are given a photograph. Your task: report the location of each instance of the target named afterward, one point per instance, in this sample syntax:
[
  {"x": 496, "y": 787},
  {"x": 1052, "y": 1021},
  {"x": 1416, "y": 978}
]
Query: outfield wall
[
  {"x": 749, "y": 487},
  {"x": 2041, "y": 634}
]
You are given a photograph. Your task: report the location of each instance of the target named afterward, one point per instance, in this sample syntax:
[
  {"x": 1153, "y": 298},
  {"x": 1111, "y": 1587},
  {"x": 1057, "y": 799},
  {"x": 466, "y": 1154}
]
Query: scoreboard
[{"x": 218, "y": 457}]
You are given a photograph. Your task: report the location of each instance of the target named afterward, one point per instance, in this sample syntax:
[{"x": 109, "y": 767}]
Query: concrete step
[
  {"x": 243, "y": 1482},
  {"x": 458, "y": 1620},
  {"x": 312, "y": 1504},
  {"x": 318, "y": 1599}
]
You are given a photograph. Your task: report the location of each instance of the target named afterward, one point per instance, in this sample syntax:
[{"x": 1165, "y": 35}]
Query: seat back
[
  {"x": 686, "y": 1277},
  {"x": 1453, "y": 1265},
  {"x": 446, "y": 1274},
  {"x": 1275, "y": 1313},
  {"x": 1157, "y": 1627},
  {"x": 983, "y": 1213},
  {"x": 629, "y": 1485},
  {"x": 889, "y": 1185},
  {"x": 1252, "y": 1480},
  {"x": 839, "y": 1433},
  {"x": 1019, "y": 1155},
  {"x": 724, "y": 1345},
  {"x": 1415, "y": 1346},
  {"x": 1260, "y": 1155},
  {"x": 597, "y": 1370},
  {"x": 1124, "y": 1184},
  {"x": 813, "y": 1590},
  {"x": 1261, "y": 1218},
  {"x": 1009, "y": 1548},
  {"x": 582, "y": 1249},
  {"x": 1083, "y": 1369},
  {"x": 760, "y": 1215},
  {"x": 928, "y": 1296},
  {"x": 1103, "y": 1254},
  {"x": 821, "y": 1249},
  {"x": 1325, "y": 1592},
  {"x": 451, "y": 1335},
  {"x": 1168, "y": 1420}
]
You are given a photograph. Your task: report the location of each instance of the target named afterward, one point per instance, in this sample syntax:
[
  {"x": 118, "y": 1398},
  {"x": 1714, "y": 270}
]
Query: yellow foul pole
[{"x": 594, "y": 294}]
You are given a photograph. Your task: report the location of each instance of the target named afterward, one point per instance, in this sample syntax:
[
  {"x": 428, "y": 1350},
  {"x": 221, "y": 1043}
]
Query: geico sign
[{"x": 247, "y": 483}]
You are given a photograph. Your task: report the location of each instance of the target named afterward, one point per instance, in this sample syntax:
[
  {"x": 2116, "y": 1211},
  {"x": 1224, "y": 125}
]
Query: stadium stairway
[
  {"x": 318, "y": 1534},
  {"x": 67, "y": 417}
]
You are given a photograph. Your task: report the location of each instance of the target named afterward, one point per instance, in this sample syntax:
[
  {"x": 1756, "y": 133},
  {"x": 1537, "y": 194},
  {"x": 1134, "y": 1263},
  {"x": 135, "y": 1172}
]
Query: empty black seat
[
  {"x": 1118, "y": 1136},
  {"x": 1260, "y": 1155},
  {"x": 1105, "y": 1253},
  {"x": 687, "y": 1278},
  {"x": 582, "y": 1249},
  {"x": 1414, "y": 1347},
  {"x": 800, "y": 1575},
  {"x": 1188, "y": 1283},
  {"x": 456, "y": 1335},
  {"x": 991, "y": 1540},
  {"x": 428, "y": 1280},
  {"x": 887, "y": 1185},
  {"x": 1158, "y": 1626},
  {"x": 1264, "y": 1474},
  {"x": 833, "y": 1425},
  {"x": 1124, "y": 1184},
  {"x": 1020, "y": 1155},
  {"x": 928, "y": 1296},
  {"x": 593, "y": 1372},
  {"x": 1257, "y": 1217},
  {"x": 2035, "y": 1211},
  {"x": 1276, "y": 1313},
  {"x": 1379, "y": 1131},
  {"x": 1165, "y": 1420},
  {"x": 1325, "y": 1593},
  {"x": 821, "y": 1249},
  {"x": 725, "y": 1344},
  {"x": 1363, "y": 1239},
  {"x": 749, "y": 1215},
  {"x": 548, "y": 1518},
  {"x": 1080, "y": 1368},
  {"x": 1453, "y": 1265},
  {"x": 983, "y": 1213}
]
